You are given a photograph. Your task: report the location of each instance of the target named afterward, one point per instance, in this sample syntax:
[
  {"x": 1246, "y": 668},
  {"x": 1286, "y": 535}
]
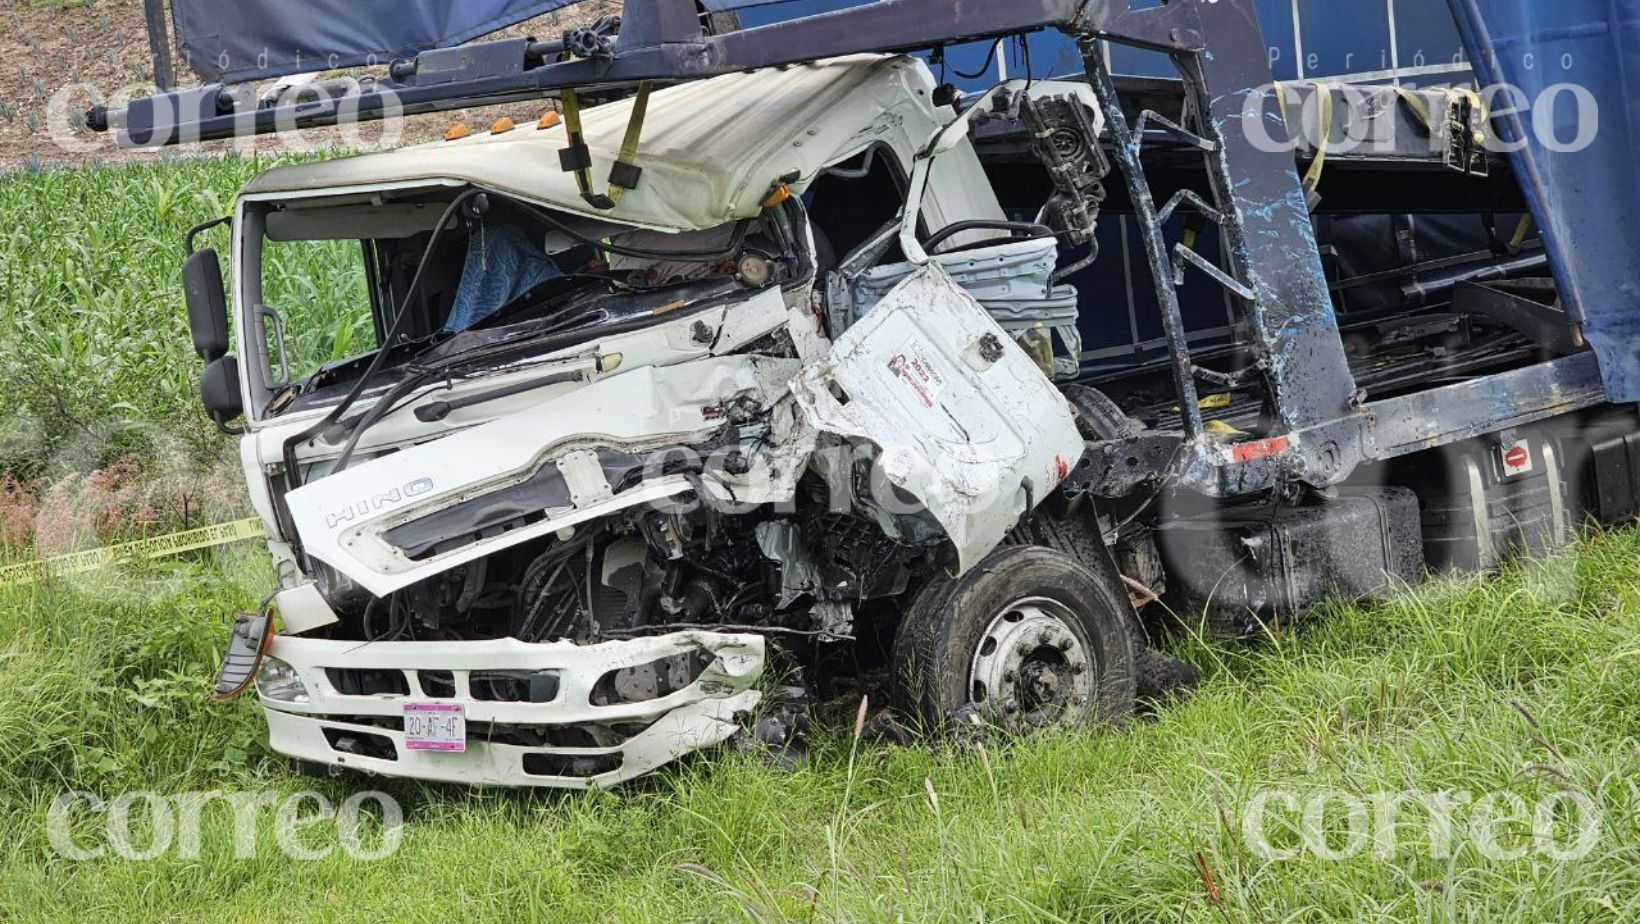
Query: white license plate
[{"x": 435, "y": 727}]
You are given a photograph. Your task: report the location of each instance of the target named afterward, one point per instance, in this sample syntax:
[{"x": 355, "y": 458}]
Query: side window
[
  {"x": 316, "y": 300},
  {"x": 853, "y": 200}
]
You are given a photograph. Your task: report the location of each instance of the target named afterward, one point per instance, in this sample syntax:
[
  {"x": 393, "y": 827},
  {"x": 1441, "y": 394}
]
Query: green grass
[
  {"x": 94, "y": 344},
  {"x": 1522, "y": 683}
]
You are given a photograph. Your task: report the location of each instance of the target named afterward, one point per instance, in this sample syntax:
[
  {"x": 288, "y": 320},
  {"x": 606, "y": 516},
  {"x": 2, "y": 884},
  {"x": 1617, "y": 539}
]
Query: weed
[{"x": 1458, "y": 685}]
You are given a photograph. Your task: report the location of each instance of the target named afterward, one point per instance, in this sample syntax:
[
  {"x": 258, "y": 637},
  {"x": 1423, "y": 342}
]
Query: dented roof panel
[{"x": 710, "y": 149}]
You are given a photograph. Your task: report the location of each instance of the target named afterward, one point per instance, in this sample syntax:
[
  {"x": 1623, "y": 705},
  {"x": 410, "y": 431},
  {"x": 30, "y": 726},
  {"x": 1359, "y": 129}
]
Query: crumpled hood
[{"x": 565, "y": 455}]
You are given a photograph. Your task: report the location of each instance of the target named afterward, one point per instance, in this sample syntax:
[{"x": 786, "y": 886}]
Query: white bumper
[{"x": 654, "y": 732}]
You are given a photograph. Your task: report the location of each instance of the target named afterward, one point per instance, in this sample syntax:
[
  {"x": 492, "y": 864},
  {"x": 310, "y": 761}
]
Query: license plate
[{"x": 435, "y": 727}]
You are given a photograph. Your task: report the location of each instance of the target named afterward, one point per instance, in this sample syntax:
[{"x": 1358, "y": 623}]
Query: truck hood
[{"x": 412, "y": 514}]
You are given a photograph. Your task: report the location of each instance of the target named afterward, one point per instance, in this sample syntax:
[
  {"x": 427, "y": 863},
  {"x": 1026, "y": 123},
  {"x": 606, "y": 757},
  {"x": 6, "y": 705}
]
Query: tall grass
[
  {"x": 93, "y": 336},
  {"x": 94, "y": 344},
  {"x": 1522, "y": 683}
]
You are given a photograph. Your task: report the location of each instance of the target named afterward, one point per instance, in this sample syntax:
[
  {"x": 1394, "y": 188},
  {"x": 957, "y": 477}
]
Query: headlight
[{"x": 278, "y": 681}]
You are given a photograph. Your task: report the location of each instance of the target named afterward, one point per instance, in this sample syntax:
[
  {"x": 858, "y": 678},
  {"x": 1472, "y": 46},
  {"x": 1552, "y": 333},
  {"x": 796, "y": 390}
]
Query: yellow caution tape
[{"x": 191, "y": 540}]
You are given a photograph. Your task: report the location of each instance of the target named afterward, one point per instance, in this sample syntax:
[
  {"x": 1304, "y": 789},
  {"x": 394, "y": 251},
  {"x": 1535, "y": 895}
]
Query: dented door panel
[{"x": 964, "y": 419}]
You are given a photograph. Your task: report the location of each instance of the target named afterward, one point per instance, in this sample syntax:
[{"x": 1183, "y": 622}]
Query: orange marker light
[
  {"x": 550, "y": 120},
  {"x": 501, "y": 126},
  {"x": 777, "y": 195},
  {"x": 456, "y": 132}
]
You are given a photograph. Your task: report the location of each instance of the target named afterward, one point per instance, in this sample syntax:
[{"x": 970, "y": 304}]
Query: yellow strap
[
  {"x": 1312, "y": 178},
  {"x": 629, "y": 144},
  {"x": 1521, "y": 230},
  {"x": 634, "y": 127},
  {"x": 1416, "y": 104},
  {"x": 572, "y": 128}
]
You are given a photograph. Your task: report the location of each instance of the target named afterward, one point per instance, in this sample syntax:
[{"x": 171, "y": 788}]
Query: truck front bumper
[{"x": 567, "y": 741}]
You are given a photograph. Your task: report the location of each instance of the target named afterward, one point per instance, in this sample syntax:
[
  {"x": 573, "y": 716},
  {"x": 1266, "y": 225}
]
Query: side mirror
[
  {"x": 219, "y": 390},
  {"x": 207, "y": 305}
]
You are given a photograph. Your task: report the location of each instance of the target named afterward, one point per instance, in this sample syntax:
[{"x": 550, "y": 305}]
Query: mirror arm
[{"x": 201, "y": 228}]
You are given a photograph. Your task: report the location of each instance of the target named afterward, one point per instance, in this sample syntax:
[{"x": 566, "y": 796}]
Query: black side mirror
[
  {"x": 219, "y": 390},
  {"x": 207, "y": 305},
  {"x": 208, "y": 320}
]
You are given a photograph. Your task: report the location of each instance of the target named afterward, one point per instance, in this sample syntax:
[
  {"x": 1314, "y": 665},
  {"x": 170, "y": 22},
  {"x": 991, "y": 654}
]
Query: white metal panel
[
  {"x": 965, "y": 420},
  {"x": 710, "y": 149},
  {"x": 341, "y": 517},
  {"x": 699, "y": 715}
]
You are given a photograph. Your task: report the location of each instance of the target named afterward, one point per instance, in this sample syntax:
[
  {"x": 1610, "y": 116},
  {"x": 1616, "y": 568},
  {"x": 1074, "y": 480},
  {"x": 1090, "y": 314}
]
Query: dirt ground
[{"x": 52, "y": 51}]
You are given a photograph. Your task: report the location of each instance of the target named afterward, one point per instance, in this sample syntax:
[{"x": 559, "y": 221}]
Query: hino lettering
[{"x": 377, "y": 502}]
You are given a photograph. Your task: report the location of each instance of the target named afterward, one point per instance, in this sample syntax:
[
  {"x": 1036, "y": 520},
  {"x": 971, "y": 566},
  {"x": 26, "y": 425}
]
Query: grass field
[
  {"x": 1519, "y": 684},
  {"x": 94, "y": 345}
]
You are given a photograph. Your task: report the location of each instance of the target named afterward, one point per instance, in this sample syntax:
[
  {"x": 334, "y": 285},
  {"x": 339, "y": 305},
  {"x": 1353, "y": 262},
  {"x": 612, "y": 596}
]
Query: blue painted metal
[
  {"x": 252, "y": 39},
  {"x": 1336, "y": 37},
  {"x": 1584, "y": 200}
]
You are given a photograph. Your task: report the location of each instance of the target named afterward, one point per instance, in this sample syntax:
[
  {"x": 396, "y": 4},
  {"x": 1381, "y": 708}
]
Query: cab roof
[{"x": 710, "y": 149}]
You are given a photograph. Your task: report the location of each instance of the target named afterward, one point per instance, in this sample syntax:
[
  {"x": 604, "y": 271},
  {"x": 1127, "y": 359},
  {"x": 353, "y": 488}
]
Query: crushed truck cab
[
  {"x": 586, "y": 444},
  {"x": 596, "y": 456}
]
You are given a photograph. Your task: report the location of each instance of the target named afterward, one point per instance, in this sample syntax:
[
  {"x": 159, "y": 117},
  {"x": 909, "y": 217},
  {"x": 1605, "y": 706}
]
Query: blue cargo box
[
  {"x": 1374, "y": 39},
  {"x": 1415, "y": 41}
]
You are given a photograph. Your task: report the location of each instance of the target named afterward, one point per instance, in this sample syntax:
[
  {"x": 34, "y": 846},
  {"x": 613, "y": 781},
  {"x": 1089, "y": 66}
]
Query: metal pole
[{"x": 159, "y": 44}]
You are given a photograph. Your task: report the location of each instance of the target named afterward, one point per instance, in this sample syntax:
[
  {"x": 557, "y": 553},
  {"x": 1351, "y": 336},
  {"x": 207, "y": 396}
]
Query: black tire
[{"x": 942, "y": 633}]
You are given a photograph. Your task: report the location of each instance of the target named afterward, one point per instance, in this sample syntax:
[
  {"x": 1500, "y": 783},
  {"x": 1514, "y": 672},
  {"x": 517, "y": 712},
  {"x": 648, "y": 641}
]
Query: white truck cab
[{"x": 549, "y": 485}]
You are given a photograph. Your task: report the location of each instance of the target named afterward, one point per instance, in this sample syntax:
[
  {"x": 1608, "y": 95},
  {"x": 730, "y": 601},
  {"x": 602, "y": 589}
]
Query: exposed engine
[{"x": 681, "y": 565}]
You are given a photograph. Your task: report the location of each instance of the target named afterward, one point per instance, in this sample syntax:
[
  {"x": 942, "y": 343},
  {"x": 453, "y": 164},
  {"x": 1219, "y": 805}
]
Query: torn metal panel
[
  {"x": 342, "y": 519},
  {"x": 303, "y": 608},
  {"x": 965, "y": 421},
  {"x": 781, "y": 541},
  {"x": 1014, "y": 281}
]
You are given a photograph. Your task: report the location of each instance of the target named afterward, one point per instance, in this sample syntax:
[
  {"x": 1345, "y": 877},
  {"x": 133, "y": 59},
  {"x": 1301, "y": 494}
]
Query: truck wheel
[{"x": 1027, "y": 639}]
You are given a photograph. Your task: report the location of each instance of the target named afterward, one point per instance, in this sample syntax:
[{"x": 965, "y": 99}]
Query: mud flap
[{"x": 963, "y": 419}]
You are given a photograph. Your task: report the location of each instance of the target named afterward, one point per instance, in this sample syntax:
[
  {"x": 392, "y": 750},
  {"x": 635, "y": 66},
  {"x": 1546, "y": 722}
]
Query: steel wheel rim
[{"x": 1030, "y": 668}]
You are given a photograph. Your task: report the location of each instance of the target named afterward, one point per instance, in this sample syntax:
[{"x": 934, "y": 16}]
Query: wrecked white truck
[
  {"x": 847, "y": 376},
  {"x": 609, "y": 461}
]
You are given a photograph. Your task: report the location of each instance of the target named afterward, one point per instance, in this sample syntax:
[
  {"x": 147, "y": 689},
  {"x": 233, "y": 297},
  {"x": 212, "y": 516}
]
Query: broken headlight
[{"x": 279, "y": 682}]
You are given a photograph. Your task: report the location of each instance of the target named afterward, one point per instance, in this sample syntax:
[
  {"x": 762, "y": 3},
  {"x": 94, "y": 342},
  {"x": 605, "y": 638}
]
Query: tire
[{"x": 1027, "y": 613}]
